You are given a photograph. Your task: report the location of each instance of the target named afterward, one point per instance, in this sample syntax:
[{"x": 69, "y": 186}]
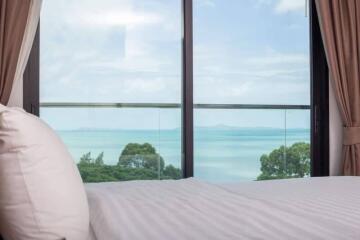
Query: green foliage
[
  {"x": 108, "y": 173},
  {"x": 286, "y": 162},
  {"x": 87, "y": 159},
  {"x": 137, "y": 162},
  {"x": 144, "y": 155},
  {"x": 100, "y": 159},
  {"x": 172, "y": 172}
]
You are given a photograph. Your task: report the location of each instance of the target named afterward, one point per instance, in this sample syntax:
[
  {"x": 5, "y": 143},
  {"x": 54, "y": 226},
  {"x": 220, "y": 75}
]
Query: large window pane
[
  {"x": 251, "y": 56},
  {"x": 114, "y": 51},
  {"x": 111, "y": 50},
  {"x": 251, "y": 51}
]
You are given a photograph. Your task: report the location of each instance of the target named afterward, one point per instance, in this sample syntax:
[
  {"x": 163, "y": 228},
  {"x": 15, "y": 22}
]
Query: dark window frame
[
  {"x": 319, "y": 97},
  {"x": 187, "y": 92},
  {"x": 31, "y": 78}
]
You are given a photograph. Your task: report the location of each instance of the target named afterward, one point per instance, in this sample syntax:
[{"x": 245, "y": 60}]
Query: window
[
  {"x": 252, "y": 58},
  {"x": 110, "y": 84},
  {"x": 164, "y": 89}
]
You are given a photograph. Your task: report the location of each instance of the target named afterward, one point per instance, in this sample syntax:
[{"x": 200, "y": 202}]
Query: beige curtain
[
  {"x": 340, "y": 27},
  {"x": 18, "y": 23}
]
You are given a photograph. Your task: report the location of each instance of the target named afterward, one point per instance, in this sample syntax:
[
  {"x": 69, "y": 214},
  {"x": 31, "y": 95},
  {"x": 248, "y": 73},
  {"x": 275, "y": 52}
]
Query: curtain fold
[
  {"x": 18, "y": 23},
  {"x": 340, "y": 28}
]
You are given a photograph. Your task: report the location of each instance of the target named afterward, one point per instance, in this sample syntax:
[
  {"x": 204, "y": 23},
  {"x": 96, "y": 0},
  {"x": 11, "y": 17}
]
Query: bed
[{"x": 310, "y": 208}]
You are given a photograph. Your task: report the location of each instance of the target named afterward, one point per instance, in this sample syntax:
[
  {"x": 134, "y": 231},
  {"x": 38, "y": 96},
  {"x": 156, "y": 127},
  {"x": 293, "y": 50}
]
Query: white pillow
[{"x": 42, "y": 196}]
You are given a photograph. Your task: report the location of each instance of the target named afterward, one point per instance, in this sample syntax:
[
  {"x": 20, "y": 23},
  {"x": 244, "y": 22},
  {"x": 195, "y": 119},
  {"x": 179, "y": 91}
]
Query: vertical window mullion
[
  {"x": 187, "y": 92},
  {"x": 31, "y": 78},
  {"x": 319, "y": 99}
]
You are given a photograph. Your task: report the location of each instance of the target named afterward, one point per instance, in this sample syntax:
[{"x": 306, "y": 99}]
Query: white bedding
[{"x": 312, "y": 208}]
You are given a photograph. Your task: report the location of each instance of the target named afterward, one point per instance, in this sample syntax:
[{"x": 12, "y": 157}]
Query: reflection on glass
[
  {"x": 251, "y": 52},
  {"x": 110, "y": 51}
]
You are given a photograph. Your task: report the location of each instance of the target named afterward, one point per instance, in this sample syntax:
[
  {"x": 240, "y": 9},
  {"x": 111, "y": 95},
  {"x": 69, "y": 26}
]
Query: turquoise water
[{"x": 221, "y": 155}]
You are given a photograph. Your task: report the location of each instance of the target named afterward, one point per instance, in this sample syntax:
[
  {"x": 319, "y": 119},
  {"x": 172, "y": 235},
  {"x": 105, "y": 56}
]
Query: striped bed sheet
[{"x": 310, "y": 208}]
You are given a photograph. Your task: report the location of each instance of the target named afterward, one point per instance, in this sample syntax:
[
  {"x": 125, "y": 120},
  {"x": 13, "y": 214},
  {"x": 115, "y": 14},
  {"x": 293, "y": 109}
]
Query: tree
[
  {"x": 86, "y": 158},
  {"x": 99, "y": 160},
  {"x": 136, "y": 162},
  {"x": 172, "y": 172},
  {"x": 144, "y": 155},
  {"x": 286, "y": 162}
]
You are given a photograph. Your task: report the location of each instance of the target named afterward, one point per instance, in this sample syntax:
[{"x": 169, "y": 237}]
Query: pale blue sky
[{"x": 245, "y": 51}]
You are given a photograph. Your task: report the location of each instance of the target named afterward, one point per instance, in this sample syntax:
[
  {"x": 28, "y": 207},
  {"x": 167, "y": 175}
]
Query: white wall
[{"x": 336, "y": 134}]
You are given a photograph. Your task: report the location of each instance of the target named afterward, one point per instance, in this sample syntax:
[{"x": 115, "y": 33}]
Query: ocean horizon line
[{"x": 223, "y": 128}]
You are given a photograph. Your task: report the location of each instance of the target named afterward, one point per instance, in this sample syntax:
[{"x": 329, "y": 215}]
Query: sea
[{"x": 220, "y": 154}]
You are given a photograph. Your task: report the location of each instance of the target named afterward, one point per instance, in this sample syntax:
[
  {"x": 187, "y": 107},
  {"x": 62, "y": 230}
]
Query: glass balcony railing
[
  {"x": 252, "y": 143},
  {"x": 232, "y": 142},
  {"x": 111, "y": 142}
]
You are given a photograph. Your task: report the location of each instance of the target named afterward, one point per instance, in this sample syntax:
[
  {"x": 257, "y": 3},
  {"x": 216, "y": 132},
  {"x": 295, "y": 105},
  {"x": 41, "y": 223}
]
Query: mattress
[{"x": 310, "y": 208}]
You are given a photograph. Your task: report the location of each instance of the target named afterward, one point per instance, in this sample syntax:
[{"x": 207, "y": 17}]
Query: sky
[{"x": 245, "y": 52}]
